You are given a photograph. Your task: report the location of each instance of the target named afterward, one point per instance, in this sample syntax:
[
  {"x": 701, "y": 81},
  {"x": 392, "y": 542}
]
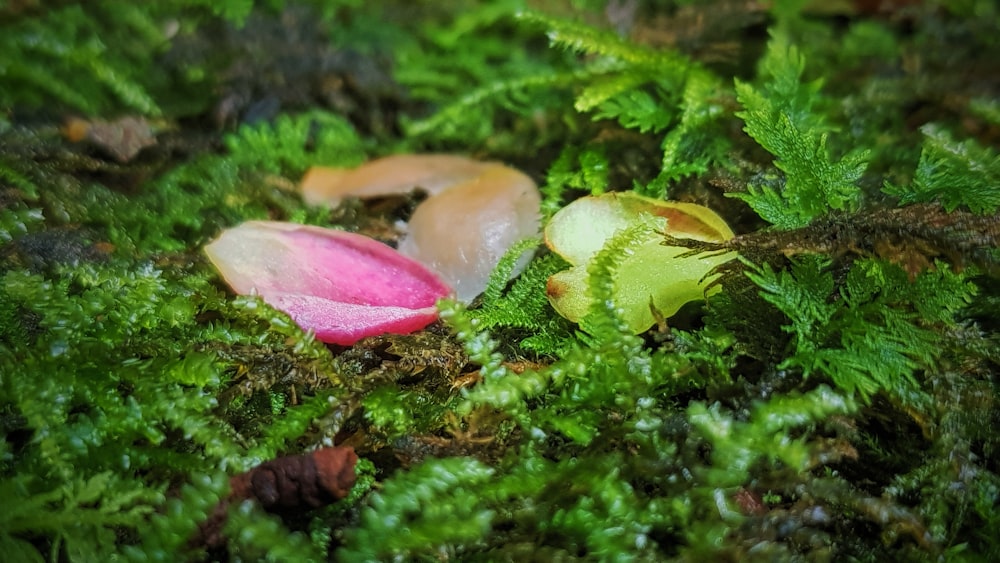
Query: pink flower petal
[
  {"x": 342, "y": 286},
  {"x": 346, "y": 323}
]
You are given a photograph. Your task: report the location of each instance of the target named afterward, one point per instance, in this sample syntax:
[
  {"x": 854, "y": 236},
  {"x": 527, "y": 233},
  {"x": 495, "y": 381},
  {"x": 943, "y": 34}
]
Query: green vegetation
[
  {"x": 779, "y": 115},
  {"x": 834, "y": 399}
]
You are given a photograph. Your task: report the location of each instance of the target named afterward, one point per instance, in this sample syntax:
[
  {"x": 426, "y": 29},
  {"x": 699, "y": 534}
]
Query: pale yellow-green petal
[
  {"x": 568, "y": 292},
  {"x": 579, "y": 230},
  {"x": 651, "y": 274}
]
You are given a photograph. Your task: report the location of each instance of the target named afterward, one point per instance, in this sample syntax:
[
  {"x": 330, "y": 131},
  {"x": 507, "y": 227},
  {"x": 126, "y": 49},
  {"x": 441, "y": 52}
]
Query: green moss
[
  {"x": 584, "y": 169},
  {"x": 954, "y": 174},
  {"x": 522, "y": 311},
  {"x": 879, "y": 332},
  {"x": 833, "y": 401},
  {"x": 781, "y": 117},
  {"x": 257, "y": 535},
  {"x": 438, "y": 506},
  {"x": 95, "y": 58}
]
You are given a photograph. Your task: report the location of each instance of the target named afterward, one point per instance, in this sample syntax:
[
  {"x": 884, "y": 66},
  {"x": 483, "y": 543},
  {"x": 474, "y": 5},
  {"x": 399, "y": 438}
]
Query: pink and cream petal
[
  {"x": 342, "y": 286},
  {"x": 346, "y": 323}
]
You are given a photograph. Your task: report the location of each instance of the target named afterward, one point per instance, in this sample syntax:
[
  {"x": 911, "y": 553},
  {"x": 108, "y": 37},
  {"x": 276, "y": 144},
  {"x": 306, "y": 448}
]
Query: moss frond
[
  {"x": 81, "y": 516},
  {"x": 83, "y": 316},
  {"x": 257, "y": 535},
  {"x": 167, "y": 532},
  {"x": 955, "y": 174},
  {"x": 288, "y": 425},
  {"x": 583, "y": 38},
  {"x": 877, "y": 334},
  {"x": 452, "y": 121},
  {"x": 697, "y": 141},
  {"x": 780, "y": 116},
  {"x": 93, "y": 58},
  {"x": 501, "y": 275},
  {"x": 584, "y": 169},
  {"x": 17, "y": 222},
  {"x": 293, "y": 143},
  {"x": 604, "y": 321},
  {"x": 436, "y": 502},
  {"x": 632, "y": 84},
  {"x": 737, "y": 446},
  {"x": 524, "y": 307}
]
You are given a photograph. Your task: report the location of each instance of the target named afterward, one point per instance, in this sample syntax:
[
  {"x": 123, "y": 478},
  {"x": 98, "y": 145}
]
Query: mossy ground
[{"x": 836, "y": 400}]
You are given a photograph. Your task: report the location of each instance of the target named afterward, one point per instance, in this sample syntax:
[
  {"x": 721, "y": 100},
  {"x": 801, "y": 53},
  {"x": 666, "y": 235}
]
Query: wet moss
[{"x": 834, "y": 401}]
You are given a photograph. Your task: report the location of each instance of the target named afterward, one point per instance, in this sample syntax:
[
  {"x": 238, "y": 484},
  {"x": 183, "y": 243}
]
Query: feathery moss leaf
[
  {"x": 779, "y": 115},
  {"x": 291, "y": 144},
  {"x": 954, "y": 173},
  {"x": 501, "y": 275},
  {"x": 697, "y": 140},
  {"x": 583, "y": 38},
  {"x": 260, "y": 536},
  {"x": 738, "y": 445},
  {"x": 436, "y": 502},
  {"x": 97, "y": 57},
  {"x": 576, "y": 169},
  {"x": 877, "y": 334},
  {"x": 524, "y": 306}
]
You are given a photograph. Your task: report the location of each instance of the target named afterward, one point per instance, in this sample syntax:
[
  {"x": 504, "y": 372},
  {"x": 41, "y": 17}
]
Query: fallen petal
[
  {"x": 346, "y": 323},
  {"x": 476, "y": 210},
  {"x": 579, "y": 230},
  {"x": 390, "y": 175},
  {"x": 463, "y": 232},
  {"x": 342, "y": 286},
  {"x": 652, "y": 274}
]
